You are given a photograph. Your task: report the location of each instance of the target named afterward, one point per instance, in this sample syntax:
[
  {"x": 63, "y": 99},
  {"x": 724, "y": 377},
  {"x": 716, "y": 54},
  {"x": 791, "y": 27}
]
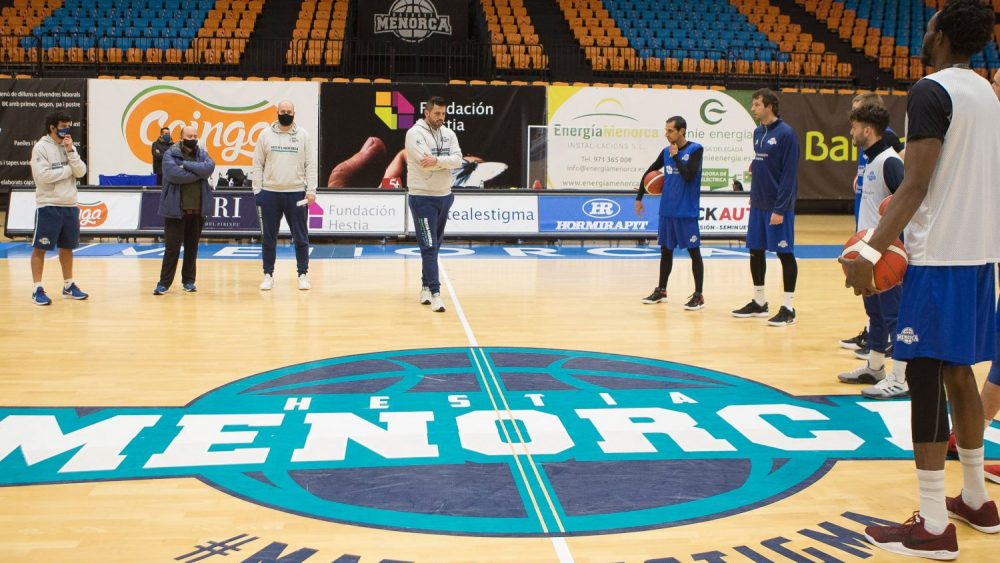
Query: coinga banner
[
  {"x": 364, "y": 131},
  {"x": 409, "y": 23},
  {"x": 829, "y": 158},
  {"x": 606, "y": 138},
  {"x": 127, "y": 116},
  {"x": 24, "y": 103}
]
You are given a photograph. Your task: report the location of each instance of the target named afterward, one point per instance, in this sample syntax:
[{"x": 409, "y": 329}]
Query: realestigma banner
[
  {"x": 606, "y": 138},
  {"x": 229, "y": 117},
  {"x": 24, "y": 103},
  {"x": 829, "y": 158}
]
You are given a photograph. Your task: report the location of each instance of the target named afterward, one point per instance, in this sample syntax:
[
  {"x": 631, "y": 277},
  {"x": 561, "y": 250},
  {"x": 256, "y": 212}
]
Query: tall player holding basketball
[
  {"x": 948, "y": 203},
  {"x": 680, "y": 206}
]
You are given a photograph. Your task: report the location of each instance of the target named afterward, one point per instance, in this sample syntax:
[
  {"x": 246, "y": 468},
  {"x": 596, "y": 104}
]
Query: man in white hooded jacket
[
  {"x": 284, "y": 175},
  {"x": 55, "y": 167},
  {"x": 432, "y": 152}
]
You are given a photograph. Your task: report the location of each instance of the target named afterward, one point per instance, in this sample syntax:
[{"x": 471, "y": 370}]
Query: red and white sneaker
[
  {"x": 911, "y": 538},
  {"x": 992, "y": 473},
  {"x": 986, "y": 519}
]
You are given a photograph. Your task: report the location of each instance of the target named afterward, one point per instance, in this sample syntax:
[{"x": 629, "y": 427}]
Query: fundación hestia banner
[{"x": 229, "y": 117}]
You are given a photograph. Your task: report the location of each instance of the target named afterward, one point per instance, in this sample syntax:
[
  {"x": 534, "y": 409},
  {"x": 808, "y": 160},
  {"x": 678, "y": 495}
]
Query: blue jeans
[
  {"x": 430, "y": 214},
  {"x": 272, "y": 205}
]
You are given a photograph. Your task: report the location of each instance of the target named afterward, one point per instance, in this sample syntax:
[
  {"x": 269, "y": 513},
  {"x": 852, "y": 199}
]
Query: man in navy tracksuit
[
  {"x": 679, "y": 209},
  {"x": 772, "y": 206}
]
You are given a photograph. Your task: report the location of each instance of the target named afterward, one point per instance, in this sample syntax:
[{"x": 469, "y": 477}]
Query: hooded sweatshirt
[
  {"x": 283, "y": 161},
  {"x": 421, "y": 141},
  {"x": 55, "y": 172}
]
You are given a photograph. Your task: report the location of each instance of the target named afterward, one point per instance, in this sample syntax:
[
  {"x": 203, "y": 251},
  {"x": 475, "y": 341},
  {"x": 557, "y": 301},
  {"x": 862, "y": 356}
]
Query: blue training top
[
  {"x": 774, "y": 168},
  {"x": 682, "y": 182}
]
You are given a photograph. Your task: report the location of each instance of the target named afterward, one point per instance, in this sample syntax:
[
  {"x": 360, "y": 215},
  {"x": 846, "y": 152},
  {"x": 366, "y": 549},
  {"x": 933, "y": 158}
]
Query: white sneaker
[
  {"x": 425, "y": 295},
  {"x": 268, "y": 283},
  {"x": 888, "y": 388},
  {"x": 437, "y": 305},
  {"x": 304, "y": 282},
  {"x": 864, "y": 374}
]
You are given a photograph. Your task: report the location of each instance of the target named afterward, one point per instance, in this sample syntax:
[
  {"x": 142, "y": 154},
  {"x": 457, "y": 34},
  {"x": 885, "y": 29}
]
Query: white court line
[{"x": 559, "y": 544}]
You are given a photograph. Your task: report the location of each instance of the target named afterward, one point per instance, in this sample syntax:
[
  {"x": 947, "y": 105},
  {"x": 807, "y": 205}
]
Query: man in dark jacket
[
  {"x": 159, "y": 148},
  {"x": 185, "y": 201}
]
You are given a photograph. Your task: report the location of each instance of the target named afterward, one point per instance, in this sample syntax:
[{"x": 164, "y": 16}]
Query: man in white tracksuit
[
  {"x": 432, "y": 152},
  {"x": 55, "y": 168},
  {"x": 284, "y": 174}
]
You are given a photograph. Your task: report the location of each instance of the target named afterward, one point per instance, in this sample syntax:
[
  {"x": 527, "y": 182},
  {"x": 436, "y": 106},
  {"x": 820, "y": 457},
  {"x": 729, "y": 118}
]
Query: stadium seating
[
  {"x": 318, "y": 37},
  {"x": 513, "y": 41}
]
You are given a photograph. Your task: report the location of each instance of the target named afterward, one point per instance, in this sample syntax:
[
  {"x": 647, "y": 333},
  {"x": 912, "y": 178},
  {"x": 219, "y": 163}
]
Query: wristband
[{"x": 869, "y": 254}]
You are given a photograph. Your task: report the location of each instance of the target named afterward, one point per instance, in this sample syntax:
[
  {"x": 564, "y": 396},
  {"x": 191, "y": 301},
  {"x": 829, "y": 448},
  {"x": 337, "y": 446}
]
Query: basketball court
[{"x": 548, "y": 415}]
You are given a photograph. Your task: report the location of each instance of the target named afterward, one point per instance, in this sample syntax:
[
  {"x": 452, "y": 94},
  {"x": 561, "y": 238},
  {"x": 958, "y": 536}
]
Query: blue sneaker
[
  {"x": 39, "y": 297},
  {"x": 74, "y": 292},
  {"x": 190, "y": 288},
  {"x": 160, "y": 289}
]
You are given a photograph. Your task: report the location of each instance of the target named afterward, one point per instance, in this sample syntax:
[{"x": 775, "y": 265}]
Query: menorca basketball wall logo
[
  {"x": 494, "y": 441},
  {"x": 413, "y": 21}
]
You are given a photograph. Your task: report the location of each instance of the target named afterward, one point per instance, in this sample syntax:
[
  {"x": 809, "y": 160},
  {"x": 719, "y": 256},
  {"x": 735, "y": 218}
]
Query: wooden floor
[{"x": 126, "y": 348}]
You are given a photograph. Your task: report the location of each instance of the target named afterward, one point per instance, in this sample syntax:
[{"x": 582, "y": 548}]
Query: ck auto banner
[
  {"x": 24, "y": 103},
  {"x": 829, "y": 159},
  {"x": 364, "y": 130},
  {"x": 229, "y": 117},
  {"x": 606, "y": 138}
]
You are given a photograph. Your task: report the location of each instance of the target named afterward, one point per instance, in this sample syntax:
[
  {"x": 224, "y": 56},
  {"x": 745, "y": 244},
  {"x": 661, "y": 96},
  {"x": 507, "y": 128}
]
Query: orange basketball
[
  {"x": 890, "y": 269},
  {"x": 884, "y": 205},
  {"x": 653, "y": 182}
]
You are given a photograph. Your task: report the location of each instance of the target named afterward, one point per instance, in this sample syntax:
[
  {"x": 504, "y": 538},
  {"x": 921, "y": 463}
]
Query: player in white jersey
[{"x": 947, "y": 203}]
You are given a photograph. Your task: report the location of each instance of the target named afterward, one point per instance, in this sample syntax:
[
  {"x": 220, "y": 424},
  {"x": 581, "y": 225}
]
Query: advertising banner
[
  {"x": 358, "y": 213},
  {"x": 722, "y": 215},
  {"x": 100, "y": 211},
  {"x": 606, "y": 138},
  {"x": 829, "y": 158},
  {"x": 24, "y": 103},
  {"x": 229, "y": 117},
  {"x": 364, "y": 130},
  {"x": 475, "y": 214},
  {"x": 408, "y": 23},
  {"x": 231, "y": 212}
]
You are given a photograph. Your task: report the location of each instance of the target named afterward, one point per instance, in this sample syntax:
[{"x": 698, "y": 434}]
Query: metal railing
[{"x": 91, "y": 54}]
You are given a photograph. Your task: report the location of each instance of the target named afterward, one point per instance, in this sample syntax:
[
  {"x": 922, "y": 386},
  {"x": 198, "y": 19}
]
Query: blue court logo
[{"x": 492, "y": 441}]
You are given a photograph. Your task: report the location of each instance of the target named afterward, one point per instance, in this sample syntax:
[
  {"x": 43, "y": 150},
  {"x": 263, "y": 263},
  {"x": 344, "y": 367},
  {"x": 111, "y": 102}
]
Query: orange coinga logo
[
  {"x": 93, "y": 214},
  {"x": 227, "y": 133}
]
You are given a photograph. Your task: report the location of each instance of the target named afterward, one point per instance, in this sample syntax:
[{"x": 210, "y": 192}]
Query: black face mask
[
  {"x": 191, "y": 144},
  {"x": 286, "y": 119}
]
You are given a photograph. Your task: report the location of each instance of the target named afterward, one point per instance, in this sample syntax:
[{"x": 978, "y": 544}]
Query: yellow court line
[
  {"x": 517, "y": 460},
  {"x": 531, "y": 461}
]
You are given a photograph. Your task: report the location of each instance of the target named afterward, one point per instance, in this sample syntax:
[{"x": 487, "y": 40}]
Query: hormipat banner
[{"x": 127, "y": 117}]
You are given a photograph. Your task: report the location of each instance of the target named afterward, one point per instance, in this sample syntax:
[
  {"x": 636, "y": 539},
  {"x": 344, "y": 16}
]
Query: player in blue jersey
[
  {"x": 680, "y": 207},
  {"x": 948, "y": 204},
  {"x": 772, "y": 206}
]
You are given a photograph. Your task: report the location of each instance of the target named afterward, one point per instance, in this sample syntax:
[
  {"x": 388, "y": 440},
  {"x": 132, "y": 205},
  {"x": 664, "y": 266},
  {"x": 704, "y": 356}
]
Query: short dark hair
[
  {"x": 55, "y": 118},
  {"x": 768, "y": 97},
  {"x": 871, "y": 114},
  {"x": 679, "y": 122},
  {"x": 968, "y": 25},
  {"x": 162, "y": 129},
  {"x": 434, "y": 101}
]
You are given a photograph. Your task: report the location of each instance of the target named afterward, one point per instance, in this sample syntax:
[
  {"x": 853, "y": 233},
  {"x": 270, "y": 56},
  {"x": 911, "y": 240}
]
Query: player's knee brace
[{"x": 928, "y": 403}]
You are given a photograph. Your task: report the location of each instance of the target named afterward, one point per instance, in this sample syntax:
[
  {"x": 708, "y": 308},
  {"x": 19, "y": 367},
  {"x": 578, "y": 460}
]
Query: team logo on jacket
[
  {"x": 413, "y": 21},
  {"x": 772, "y": 141},
  {"x": 491, "y": 441}
]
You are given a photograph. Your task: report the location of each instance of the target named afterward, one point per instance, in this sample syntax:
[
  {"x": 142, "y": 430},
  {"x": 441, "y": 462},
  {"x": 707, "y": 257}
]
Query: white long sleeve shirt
[
  {"x": 55, "y": 173},
  {"x": 283, "y": 161},
  {"x": 442, "y": 143}
]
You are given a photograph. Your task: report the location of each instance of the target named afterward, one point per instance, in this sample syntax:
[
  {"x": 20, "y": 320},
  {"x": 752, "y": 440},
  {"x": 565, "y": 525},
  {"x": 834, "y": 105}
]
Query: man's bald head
[
  {"x": 285, "y": 106},
  {"x": 189, "y": 132}
]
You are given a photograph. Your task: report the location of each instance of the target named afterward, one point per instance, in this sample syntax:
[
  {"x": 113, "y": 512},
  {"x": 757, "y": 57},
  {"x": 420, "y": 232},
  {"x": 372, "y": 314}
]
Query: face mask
[
  {"x": 165, "y": 138},
  {"x": 62, "y": 132},
  {"x": 191, "y": 144},
  {"x": 285, "y": 119}
]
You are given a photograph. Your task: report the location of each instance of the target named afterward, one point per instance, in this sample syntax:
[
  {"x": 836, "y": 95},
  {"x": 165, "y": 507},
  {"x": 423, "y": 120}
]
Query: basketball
[
  {"x": 889, "y": 271},
  {"x": 653, "y": 182},
  {"x": 884, "y": 205}
]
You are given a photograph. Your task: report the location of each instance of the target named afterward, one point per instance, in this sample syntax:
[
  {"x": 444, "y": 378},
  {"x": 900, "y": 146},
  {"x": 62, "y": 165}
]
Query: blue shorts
[
  {"x": 994, "y": 375},
  {"x": 679, "y": 232},
  {"x": 761, "y": 235},
  {"x": 947, "y": 313},
  {"x": 56, "y": 227}
]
